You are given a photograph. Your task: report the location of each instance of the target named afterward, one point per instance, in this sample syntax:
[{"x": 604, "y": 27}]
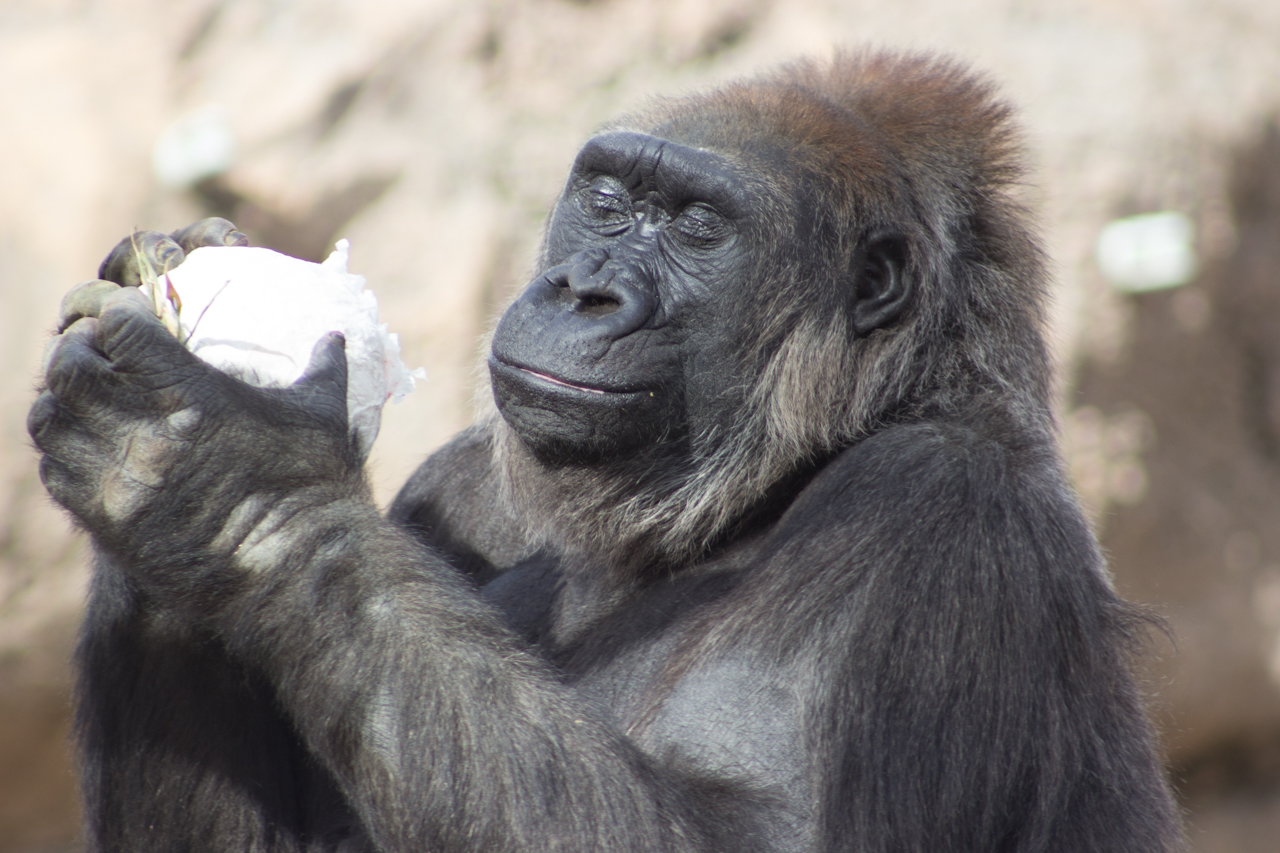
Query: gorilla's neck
[{"x": 643, "y": 514}]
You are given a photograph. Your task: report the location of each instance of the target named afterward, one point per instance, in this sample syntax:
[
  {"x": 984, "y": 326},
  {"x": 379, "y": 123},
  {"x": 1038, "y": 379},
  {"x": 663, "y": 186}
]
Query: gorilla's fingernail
[{"x": 170, "y": 255}]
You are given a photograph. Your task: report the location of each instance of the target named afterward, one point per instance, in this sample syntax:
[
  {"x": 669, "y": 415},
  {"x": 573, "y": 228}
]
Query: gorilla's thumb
[{"x": 324, "y": 383}]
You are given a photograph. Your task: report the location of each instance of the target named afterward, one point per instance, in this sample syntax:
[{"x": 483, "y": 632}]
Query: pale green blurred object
[{"x": 1152, "y": 251}]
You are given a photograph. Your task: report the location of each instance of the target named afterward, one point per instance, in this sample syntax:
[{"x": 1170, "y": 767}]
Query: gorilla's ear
[{"x": 882, "y": 288}]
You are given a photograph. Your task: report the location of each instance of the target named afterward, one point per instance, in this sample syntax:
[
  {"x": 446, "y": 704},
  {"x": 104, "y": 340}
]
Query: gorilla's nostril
[{"x": 594, "y": 304}]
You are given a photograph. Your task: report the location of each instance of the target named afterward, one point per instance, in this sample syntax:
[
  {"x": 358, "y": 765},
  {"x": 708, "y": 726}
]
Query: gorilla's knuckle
[
  {"x": 145, "y": 456},
  {"x": 129, "y": 329},
  {"x": 50, "y": 355},
  {"x": 76, "y": 369},
  {"x": 115, "y": 266},
  {"x": 121, "y": 497},
  {"x": 84, "y": 300},
  {"x": 140, "y": 250},
  {"x": 40, "y": 416},
  {"x": 127, "y": 299},
  {"x": 182, "y": 423},
  {"x": 160, "y": 250}
]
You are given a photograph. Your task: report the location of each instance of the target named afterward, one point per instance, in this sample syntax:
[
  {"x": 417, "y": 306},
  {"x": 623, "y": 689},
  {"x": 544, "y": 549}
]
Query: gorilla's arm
[
  {"x": 238, "y": 524},
  {"x": 443, "y": 732},
  {"x": 183, "y": 747},
  {"x": 976, "y": 653}
]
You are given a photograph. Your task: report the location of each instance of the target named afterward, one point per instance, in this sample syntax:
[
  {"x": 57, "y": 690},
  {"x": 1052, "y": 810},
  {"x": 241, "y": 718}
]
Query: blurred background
[{"x": 435, "y": 134}]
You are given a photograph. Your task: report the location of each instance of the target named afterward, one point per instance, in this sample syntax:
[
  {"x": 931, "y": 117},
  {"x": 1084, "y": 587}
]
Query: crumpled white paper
[{"x": 257, "y": 314}]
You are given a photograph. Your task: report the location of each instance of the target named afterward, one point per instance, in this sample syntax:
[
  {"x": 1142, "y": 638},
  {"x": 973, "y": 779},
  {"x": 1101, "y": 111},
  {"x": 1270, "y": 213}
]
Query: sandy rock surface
[{"x": 435, "y": 133}]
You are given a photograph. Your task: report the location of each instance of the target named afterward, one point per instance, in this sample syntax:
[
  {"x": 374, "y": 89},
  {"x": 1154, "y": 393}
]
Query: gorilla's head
[{"x": 756, "y": 279}]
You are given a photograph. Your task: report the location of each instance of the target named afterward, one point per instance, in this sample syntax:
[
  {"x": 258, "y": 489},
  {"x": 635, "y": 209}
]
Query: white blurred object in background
[
  {"x": 1147, "y": 252},
  {"x": 196, "y": 146}
]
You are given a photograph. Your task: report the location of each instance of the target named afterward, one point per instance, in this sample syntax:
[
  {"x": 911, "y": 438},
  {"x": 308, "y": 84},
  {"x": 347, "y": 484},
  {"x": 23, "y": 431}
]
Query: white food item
[{"x": 257, "y": 314}]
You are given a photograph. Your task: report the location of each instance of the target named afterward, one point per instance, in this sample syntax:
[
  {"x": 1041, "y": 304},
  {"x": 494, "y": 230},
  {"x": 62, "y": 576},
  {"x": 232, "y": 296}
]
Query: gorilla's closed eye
[
  {"x": 607, "y": 200},
  {"x": 700, "y": 225}
]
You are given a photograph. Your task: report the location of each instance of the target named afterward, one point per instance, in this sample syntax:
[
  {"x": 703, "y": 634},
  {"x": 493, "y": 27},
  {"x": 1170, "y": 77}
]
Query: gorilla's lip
[
  {"x": 556, "y": 381},
  {"x": 541, "y": 376}
]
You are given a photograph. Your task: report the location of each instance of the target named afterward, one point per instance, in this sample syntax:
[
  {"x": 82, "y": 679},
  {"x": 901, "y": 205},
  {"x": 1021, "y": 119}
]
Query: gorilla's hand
[{"x": 153, "y": 450}]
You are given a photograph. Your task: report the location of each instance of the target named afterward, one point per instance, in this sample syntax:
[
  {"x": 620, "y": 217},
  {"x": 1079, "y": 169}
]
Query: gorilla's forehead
[
  {"x": 779, "y": 132},
  {"x": 682, "y": 172}
]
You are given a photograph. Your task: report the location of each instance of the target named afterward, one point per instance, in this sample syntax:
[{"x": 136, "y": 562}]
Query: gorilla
[{"x": 767, "y": 545}]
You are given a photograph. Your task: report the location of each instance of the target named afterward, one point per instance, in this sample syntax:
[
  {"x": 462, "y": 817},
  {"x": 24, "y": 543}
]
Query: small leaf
[{"x": 165, "y": 302}]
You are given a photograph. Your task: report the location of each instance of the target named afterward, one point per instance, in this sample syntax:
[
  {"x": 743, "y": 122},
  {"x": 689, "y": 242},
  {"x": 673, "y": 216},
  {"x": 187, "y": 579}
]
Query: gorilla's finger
[
  {"x": 214, "y": 231},
  {"x": 137, "y": 343},
  {"x": 50, "y": 351},
  {"x": 76, "y": 362},
  {"x": 160, "y": 250},
  {"x": 84, "y": 300},
  {"x": 328, "y": 363},
  {"x": 129, "y": 313},
  {"x": 129, "y": 299},
  {"x": 52, "y": 428},
  {"x": 41, "y": 414}
]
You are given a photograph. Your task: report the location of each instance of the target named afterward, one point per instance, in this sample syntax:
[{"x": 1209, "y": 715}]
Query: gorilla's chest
[
  {"x": 733, "y": 715},
  {"x": 734, "y": 722}
]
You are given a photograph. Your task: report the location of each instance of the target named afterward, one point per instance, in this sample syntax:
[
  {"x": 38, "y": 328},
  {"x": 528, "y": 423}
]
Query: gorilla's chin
[{"x": 583, "y": 509}]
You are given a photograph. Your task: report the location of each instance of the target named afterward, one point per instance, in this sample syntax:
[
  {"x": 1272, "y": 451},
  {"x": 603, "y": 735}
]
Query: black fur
[{"x": 770, "y": 548}]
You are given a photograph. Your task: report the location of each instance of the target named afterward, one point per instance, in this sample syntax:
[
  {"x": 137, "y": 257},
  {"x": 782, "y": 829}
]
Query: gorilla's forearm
[
  {"x": 438, "y": 727},
  {"x": 180, "y": 746}
]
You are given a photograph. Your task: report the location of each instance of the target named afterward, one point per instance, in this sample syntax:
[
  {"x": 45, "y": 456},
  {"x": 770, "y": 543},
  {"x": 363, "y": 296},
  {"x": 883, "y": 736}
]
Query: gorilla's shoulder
[
  {"x": 917, "y": 516},
  {"x": 939, "y": 483},
  {"x": 920, "y": 456}
]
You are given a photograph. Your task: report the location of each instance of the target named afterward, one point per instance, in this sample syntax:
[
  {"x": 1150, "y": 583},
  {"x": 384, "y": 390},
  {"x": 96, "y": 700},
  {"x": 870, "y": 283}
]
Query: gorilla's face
[{"x": 628, "y": 337}]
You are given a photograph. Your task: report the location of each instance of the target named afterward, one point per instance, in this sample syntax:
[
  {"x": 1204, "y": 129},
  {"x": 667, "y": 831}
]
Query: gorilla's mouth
[
  {"x": 545, "y": 378},
  {"x": 561, "y": 420},
  {"x": 534, "y": 377}
]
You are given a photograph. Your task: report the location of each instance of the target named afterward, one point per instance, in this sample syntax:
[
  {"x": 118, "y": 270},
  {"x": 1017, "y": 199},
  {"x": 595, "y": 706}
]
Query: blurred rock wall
[
  {"x": 1199, "y": 371},
  {"x": 434, "y": 134}
]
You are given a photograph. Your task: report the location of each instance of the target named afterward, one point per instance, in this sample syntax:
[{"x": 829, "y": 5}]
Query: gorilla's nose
[{"x": 612, "y": 294}]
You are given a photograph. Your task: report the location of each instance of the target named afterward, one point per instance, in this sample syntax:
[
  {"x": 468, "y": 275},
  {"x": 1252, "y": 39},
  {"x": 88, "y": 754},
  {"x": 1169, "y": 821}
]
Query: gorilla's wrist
[
  {"x": 266, "y": 533},
  {"x": 303, "y": 562},
  {"x": 201, "y": 562}
]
